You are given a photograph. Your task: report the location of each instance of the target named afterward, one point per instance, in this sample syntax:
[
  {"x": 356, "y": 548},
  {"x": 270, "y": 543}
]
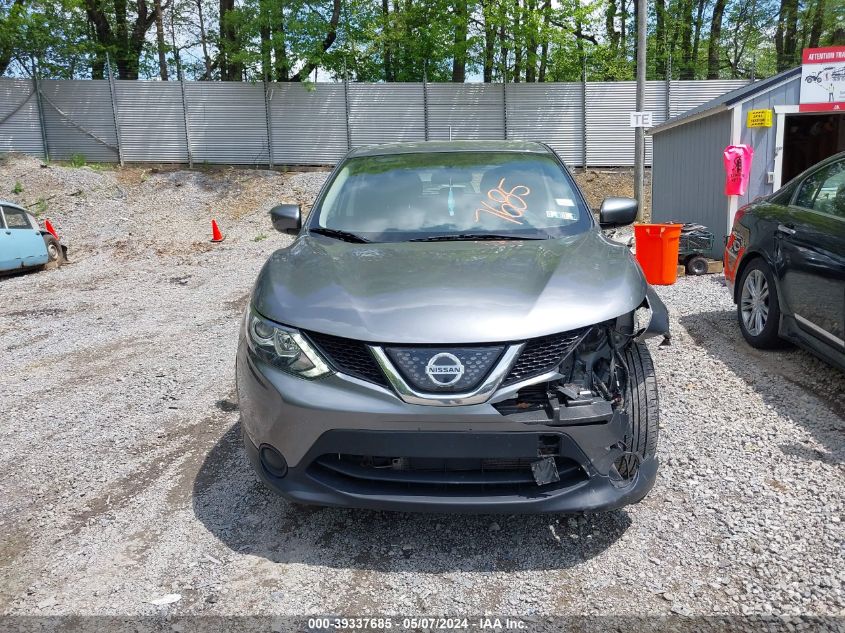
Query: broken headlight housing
[
  {"x": 283, "y": 347},
  {"x": 597, "y": 365}
]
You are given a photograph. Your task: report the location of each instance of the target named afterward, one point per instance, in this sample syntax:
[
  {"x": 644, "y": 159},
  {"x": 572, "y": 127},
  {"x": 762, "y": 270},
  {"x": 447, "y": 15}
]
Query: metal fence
[{"x": 294, "y": 124}]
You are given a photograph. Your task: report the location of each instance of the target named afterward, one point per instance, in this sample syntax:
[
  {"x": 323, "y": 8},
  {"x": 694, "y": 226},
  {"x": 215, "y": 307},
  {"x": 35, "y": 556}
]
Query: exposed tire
[
  {"x": 757, "y": 309},
  {"x": 697, "y": 265},
  {"x": 55, "y": 254},
  {"x": 642, "y": 407}
]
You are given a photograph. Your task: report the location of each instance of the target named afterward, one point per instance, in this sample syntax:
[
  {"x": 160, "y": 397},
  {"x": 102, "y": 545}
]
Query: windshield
[{"x": 452, "y": 195}]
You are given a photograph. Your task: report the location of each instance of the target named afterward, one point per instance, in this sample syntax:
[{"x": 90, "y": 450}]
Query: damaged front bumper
[{"x": 345, "y": 442}]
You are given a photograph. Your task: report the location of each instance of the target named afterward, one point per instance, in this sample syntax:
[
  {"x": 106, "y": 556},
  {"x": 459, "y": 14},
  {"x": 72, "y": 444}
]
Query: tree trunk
[
  {"x": 530, "y": 41},
  {"x": 696, "y": 40},
  {"x": 489, "y": 40},
  {"x": 204, "y": 41},
  {"x": 162, "y": 58},
  {"x": 713, "y": 47},
  {"x": 264, "y": 35},
  {"x": 660, "y": 39},
  {"x": 126, "y": 43},
  {"x": 818, "y": 25},
  {"x": 227, "y": 39},
  {"x": 623, "y": 27},
  {"x": 7, "y": 50},
  {"x": 504, "y": 51},
  {"x": 610, "y": 26},
  {"x": 517, "y": 42},
  {"x": 687, "y": 71},
  {"x": 386, "y": 46},
  {"x": 328, "y": 40},
  {"x": 544, "y": 48},
  {"x": 786, "y": 34},
  {"x": 459, "y": 58},
  {"x": 280, "y": 46}
]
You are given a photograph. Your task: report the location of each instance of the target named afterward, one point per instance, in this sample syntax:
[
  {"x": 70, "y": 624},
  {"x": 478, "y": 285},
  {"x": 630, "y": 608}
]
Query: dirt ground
[
  {"x": 598, "y": 184},
  {"x": 124, "y": 489}
]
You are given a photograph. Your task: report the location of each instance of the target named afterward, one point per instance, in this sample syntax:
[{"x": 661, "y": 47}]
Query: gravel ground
[{"x": 123, "y": 479}]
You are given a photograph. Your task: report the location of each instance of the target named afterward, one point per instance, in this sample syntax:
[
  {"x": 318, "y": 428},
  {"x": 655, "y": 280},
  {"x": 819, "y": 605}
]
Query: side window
[
  {"x": 824, "y": 191},
  {"x": 15, "y": 218}
]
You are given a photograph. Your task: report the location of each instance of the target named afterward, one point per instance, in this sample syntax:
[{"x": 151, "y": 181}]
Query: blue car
[{"x": 23, "y": 244}]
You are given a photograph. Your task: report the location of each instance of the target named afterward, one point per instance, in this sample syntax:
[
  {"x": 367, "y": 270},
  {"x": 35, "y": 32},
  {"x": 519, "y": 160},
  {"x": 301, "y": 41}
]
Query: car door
[
  {"x": 9, "y": 257},
  {"x": 27, "y": 240},
  {"x": 811, "y": 252}
]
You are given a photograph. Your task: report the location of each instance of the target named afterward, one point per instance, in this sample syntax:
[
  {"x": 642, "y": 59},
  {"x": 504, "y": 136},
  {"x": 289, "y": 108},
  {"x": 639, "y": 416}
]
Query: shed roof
[{"x": 725, "y": 101}]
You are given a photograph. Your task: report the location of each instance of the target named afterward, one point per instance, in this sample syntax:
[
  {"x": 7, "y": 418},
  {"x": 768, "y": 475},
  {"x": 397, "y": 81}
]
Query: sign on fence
[{"x": 641, "y": 119}]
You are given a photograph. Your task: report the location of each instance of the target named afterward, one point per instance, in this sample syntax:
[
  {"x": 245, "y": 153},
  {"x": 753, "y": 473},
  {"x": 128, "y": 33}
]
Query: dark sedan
[{"x": 785, "y": 264}]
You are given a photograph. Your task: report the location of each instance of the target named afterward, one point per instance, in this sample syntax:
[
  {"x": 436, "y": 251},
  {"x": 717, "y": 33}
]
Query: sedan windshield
[{"x": 451, "y": 195}]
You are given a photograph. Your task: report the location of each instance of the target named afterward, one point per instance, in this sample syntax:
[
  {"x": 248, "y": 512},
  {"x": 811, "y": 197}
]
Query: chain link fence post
[
  {"x": 187, "y": 122},
  {"x": 505, "y": 107},
  {"x": 346, "y": 110},
  {"x": 584, "y": 114},
  {"x": 669, "y": 87},
  {"x": 114, "y": 110},
  {"x": 41, "y": 121},
  {"x": 425, "y": 104},
  {"x": 268, "y": 116}
]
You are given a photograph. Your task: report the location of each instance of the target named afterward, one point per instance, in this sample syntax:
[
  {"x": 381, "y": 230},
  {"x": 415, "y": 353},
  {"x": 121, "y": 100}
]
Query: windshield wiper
[
  {"x": 346, "y": 236},
  {"x": 467, "y": 237}
]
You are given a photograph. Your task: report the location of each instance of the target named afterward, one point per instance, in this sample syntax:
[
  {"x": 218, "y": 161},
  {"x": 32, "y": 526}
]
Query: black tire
[
  {"x": 697, "y": 265},
  {"x": 55, "y": 254},
  {"x": 765, "y": 337},
  {"x": 642, "y": 407}
]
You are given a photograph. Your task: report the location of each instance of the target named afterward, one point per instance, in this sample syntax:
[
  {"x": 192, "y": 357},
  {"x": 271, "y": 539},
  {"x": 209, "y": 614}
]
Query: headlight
[{"x": 284, "y": 348}]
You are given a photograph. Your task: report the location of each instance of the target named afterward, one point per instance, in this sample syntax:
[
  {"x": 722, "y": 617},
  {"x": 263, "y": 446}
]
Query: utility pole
[{"x": 639, "y": 139}]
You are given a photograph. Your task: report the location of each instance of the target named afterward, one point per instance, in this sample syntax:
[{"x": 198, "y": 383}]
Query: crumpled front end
[{"x": 552, "y": 435}]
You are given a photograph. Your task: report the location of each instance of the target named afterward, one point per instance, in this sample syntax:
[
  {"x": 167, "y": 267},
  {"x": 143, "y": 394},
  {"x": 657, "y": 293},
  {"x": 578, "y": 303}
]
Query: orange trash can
[{"x": 657, "y": 251}]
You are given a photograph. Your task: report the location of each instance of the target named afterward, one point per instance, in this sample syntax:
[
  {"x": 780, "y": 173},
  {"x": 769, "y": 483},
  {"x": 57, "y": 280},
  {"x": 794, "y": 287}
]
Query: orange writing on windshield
[{"x": 509, "y": 204}]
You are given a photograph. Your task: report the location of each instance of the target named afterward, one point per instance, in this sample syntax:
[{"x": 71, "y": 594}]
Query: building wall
[
  {"x": 762, "y": 139},
  {"x": 688, "y": 179}
]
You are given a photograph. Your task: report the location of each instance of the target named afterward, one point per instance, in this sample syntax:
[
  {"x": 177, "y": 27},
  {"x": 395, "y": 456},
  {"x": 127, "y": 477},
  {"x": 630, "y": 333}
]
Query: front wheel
[
  {"x": 55, "y": 253},
  {"x": 757, "y": 309},
  {"x": 641, "y": 405}
]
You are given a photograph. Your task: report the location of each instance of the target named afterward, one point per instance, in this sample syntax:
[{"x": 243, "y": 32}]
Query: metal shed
[{"x": 688, "y": 176}]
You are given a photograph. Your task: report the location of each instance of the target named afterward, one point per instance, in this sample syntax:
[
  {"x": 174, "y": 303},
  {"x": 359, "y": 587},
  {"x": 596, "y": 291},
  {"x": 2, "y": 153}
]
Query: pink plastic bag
[{"x": 737, "y": 169}]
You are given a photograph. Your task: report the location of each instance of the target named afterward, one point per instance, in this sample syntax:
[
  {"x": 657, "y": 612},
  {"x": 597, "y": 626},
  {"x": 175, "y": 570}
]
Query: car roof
[
  {"x": 422, "y": 147},
  {"x": 6, "y": 203}
]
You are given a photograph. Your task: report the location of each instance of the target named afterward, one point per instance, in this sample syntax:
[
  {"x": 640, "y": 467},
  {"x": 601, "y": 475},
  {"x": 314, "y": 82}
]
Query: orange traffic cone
[
  {"x": 49, "y": 227},
  {"x": 216, "y": 235}
]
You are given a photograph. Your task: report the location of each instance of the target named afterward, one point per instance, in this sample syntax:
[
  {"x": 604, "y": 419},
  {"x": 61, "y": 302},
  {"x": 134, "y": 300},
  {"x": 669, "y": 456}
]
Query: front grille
[
  {"x": 354, "y": 358},
  {"x": 371, "y": 475},
  {"x": 349, "y": 357},
  {"x": 444, "y": 369},
  {"x": 542, "y": 355}
]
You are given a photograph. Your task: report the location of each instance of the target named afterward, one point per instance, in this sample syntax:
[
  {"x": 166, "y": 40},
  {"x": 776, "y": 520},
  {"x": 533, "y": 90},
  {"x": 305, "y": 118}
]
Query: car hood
[{"x": 448, "y": 292}]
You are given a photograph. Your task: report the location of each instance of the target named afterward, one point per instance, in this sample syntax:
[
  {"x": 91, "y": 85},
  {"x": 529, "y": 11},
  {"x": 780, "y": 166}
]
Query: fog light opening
[
  {"x": 272, "y": 461},
  {"x": 625, "y": 469}
]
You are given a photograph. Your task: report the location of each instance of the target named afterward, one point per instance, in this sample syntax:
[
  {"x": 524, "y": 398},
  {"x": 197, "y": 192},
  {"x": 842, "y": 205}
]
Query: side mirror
[
  {"x": 618, "y": 211},
  {"x": 287, "y": 218}
]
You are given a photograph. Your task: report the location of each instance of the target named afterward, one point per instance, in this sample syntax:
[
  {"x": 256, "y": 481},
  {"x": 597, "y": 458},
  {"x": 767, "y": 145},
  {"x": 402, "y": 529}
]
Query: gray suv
[{"x": 451, "y": 331}]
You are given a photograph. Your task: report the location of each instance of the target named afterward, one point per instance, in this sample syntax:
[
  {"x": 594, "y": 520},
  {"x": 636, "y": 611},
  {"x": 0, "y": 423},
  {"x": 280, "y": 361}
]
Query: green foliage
[
  {"x": 18, "y": 188},
  {"x": 405, "y": 40},
  {"x": 40, "y": 207},
  {"x": 77, "y": 160},
  {"x": 260, "y": 237}
]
